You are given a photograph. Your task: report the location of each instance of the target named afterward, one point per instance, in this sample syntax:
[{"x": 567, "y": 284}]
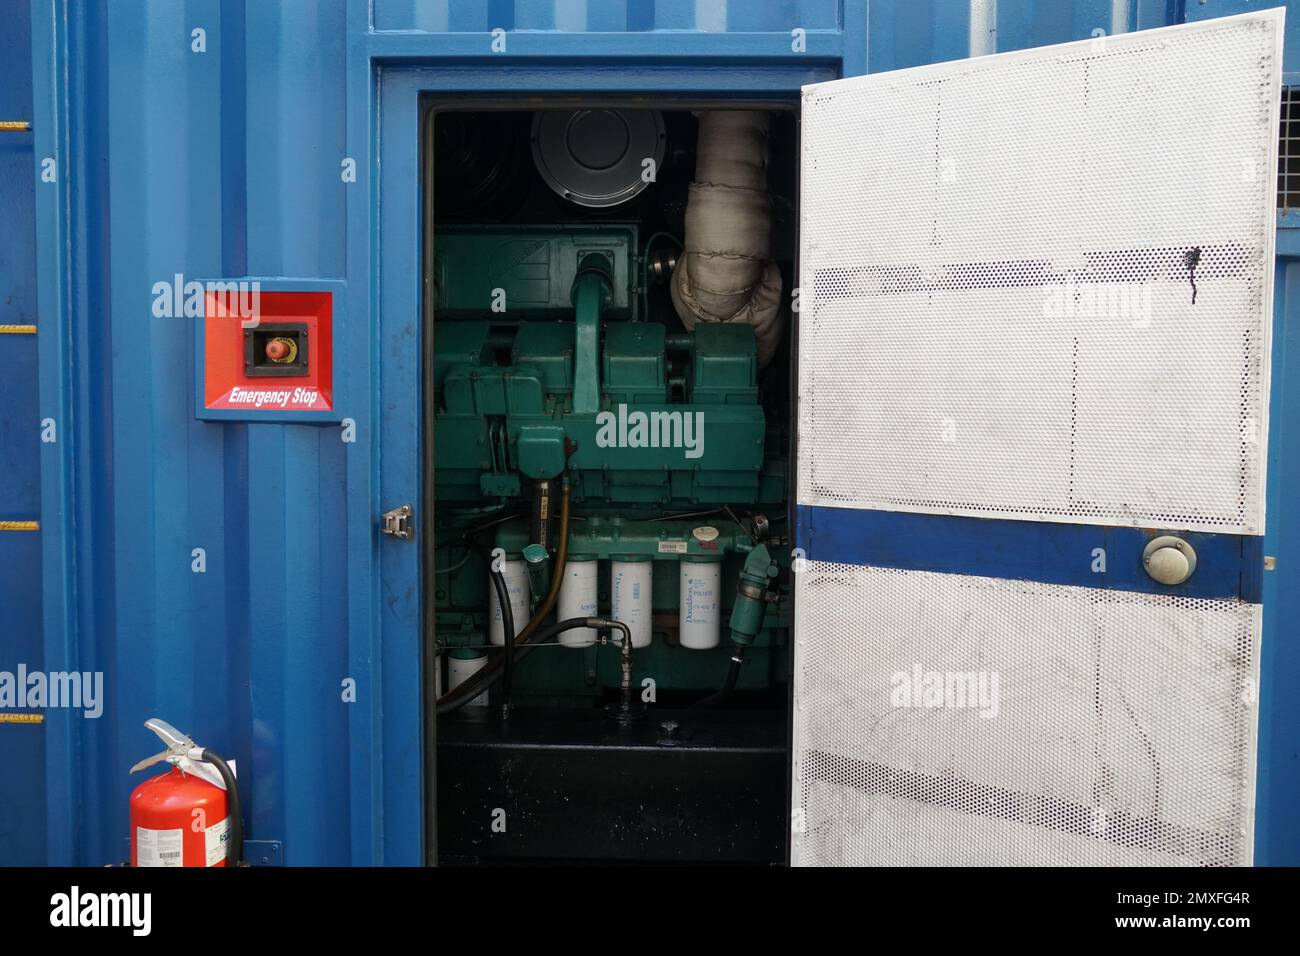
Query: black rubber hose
[
  {"x": 733, "y": 674},
  {"x": 235, "y": 848},
  {"x": 508, "y": 625},
  {"x": 476, "y": 683},
  {"x": 541, "y": 636}
]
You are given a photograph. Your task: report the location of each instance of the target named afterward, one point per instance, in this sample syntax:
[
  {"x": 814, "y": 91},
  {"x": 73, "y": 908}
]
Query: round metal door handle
[{"x": 1169, "y": 560}]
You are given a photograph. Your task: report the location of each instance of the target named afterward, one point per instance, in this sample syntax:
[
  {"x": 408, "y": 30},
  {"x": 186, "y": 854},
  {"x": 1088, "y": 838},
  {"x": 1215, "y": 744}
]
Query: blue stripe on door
[{"x": 1227, "y": 565}]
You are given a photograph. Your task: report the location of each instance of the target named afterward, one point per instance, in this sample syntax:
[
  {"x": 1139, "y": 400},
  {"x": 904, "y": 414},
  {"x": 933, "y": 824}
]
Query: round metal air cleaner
[{"x": 595, "y": 158}]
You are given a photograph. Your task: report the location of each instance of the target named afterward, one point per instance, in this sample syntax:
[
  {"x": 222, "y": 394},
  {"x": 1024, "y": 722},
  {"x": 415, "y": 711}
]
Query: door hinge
[{"x": 398, "y": 523}]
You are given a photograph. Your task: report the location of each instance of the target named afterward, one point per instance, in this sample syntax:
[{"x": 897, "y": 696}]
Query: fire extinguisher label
[
  {"x": 159, "y": 847},
  {"x": 215, "y": 840}
]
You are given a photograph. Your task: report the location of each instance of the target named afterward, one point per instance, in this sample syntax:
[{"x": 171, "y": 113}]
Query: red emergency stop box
[{"x": 267, "y": 352}]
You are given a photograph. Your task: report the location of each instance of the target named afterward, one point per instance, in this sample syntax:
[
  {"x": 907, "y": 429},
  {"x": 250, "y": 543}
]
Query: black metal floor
[{"x": 555, "y": 786}]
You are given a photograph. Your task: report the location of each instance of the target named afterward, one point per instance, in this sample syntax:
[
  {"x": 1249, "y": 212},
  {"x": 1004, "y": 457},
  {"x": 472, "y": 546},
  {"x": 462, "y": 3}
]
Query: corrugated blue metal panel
[
  {"x": 298, "y": 646},
  {"x": 201, "y": 180},
  {"x": 606, "y": 16},
  {"x": 931, "y": 31},
  {"x": 1277, "y": 832},
  {"x": 226, "y": 162},
  {"x": 22, "y": 794}
]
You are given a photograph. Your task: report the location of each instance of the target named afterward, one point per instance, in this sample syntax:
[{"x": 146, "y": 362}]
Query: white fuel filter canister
[
  {"x": 700, "y": 607},
  {"x": 463, "y": 663},
  {"x": 579, "y": 598},
  {"x": 631, "y": 582}
]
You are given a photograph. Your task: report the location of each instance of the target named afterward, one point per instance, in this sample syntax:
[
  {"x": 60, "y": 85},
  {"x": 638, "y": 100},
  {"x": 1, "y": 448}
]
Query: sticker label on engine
[
  {"x": 159, "y": 847},
  {"x": 672, "y": 547},
  {"x": 215, "y": 840}
]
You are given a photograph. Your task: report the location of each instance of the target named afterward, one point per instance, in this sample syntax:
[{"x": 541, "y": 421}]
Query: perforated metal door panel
[
  {"x": 1033, "y": 284},
  {"x": 1035, "y": 288},
  {"x": 1098, "y": 727}
]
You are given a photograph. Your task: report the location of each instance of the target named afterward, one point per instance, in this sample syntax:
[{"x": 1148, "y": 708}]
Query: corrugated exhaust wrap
[{"x": 726, "y": 273}]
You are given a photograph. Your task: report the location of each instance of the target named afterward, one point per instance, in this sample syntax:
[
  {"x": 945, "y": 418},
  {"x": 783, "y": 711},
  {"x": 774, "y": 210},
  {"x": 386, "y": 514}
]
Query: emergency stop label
[
  {"x": 286, "y": 398},
  {"x": 159, "y": 847}
]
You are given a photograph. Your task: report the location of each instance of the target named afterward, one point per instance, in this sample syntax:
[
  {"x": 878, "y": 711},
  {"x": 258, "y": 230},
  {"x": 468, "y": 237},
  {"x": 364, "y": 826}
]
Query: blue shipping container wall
[
  {"x": 22, "y": 793},
  {"x": 206, "y": 138}
]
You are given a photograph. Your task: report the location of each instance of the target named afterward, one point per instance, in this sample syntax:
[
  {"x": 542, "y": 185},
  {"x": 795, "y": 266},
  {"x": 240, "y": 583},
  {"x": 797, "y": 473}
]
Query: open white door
[{"x": 1036, "y": 294}]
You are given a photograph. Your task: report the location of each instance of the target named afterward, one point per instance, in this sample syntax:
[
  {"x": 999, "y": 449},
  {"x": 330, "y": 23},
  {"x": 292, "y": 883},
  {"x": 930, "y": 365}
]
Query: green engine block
[{"x": 539, "y": 359}]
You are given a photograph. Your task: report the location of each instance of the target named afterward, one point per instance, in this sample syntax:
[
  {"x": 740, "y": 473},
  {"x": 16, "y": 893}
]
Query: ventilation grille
[
  {"x": 1288, "y": 159},
  {"x": 1050, "y": 725}
]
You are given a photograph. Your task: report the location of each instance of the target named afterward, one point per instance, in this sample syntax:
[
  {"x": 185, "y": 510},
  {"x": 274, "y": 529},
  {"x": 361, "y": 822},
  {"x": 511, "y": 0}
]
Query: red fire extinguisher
[{"x": 188, "y": 816}]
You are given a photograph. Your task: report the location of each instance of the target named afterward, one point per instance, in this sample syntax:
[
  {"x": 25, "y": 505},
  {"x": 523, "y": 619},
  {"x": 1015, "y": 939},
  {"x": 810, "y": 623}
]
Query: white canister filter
[
  {"x": 630, "y": 599},
  {"x": 578, "y": 598},
  {"x": 700, "y": 607},
  {"x": 462, "y": 664}
]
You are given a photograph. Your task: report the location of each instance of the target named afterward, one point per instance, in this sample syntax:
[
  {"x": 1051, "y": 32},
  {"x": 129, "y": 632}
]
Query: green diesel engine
[{"x": 558, "y": 405}]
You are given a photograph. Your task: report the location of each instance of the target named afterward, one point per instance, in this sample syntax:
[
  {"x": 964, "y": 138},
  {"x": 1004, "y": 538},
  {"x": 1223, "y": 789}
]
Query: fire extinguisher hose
[{"x": 235, "y": 848}]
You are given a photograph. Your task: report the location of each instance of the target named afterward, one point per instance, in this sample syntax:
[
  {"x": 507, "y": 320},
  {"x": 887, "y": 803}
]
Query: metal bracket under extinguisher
[{"x": 189, "y": 758}]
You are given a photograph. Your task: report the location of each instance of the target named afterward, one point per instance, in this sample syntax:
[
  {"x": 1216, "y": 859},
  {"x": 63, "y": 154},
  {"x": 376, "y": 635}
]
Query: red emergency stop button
[{"x": 281, "y": 350}]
